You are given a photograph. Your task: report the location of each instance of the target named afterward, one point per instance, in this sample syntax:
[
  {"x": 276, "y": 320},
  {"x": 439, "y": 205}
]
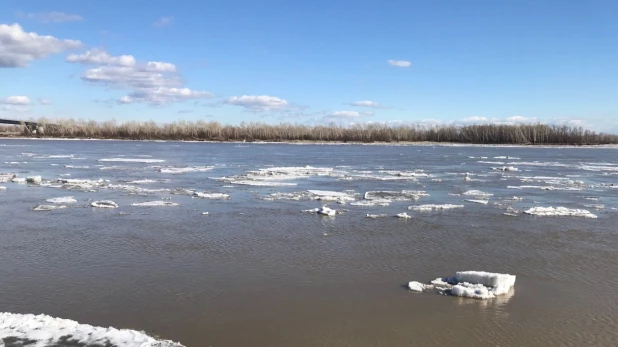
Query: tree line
[{"x": 533, "y": 134}]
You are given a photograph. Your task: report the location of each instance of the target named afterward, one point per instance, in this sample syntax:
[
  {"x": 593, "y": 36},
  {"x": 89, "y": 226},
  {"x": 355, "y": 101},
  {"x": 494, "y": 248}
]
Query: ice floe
[
  {"x": 404, "y": 195},
  {"x": 327, "y": 195},
  {"x": 417, "y": 173},
  {"x": 19, "y": 180},
  {"x": 262, "y": 183},
  {"x": 469, "y": 284},
  {"x": 34, "y": 179},
  {"x": 48, "y": 207},
  {"x": 156, "y": 203},
  {"x": 477, "y": 193},
  {"x": 375, "y": 202},
  {"x": 403, "y": 215},
  {"x": 131, "y": 160},
  {"x": 505, "y": 168},
  {"x": 374, "y": 216},
  {"x": 104, "y": 204},
  {"x": 180, "y": 170},
  {"x": 432, "y": 207},
  {"x": 142, "y": 181},
  {"x": 2, "y": 188},
  {"x": 42, "y": 331},
  {"x": 478, "y": 201},
  {"x": 324, "y": 210},
  {"x": 545, "y": 187},
  {"x": 559, "y": 211},
  {"x": 206, "y": 195},
  {"x": 62, "y": 200},
  {"x": 6, "y": 177}
]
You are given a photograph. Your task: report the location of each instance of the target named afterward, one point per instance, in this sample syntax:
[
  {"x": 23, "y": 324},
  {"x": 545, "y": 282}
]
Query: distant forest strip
[{"x": 533, "y": 134}]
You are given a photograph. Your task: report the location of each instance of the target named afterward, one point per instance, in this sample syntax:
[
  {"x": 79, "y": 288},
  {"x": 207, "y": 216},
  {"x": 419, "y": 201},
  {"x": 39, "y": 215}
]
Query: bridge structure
[{"x": 32, "y": 127}]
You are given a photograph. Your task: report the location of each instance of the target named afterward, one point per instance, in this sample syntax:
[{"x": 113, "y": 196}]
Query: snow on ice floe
[
  {"x": 104, "y": 204},
  {"x": 404, "y": 195},
  {"x": 559, "y": 211},
  {"x": 180, "y": 170},
  {"x": 324, "y": 210},
  {"x": 327, "y": 195},
  {"x": 19, "y": 180},
  {"x": 469, "y": 284},
  {"x": 431, "y": 207},
  {"x": 62, "y": 200},
  {"x": 213, "y": 196},
  {"x": 42, "y": 330},
  {"x": 131, "y": 160},
  {"x": 156, "y": 203},
  {"x": 375, "y": 202},
  {"x": 48, "y": 207}
]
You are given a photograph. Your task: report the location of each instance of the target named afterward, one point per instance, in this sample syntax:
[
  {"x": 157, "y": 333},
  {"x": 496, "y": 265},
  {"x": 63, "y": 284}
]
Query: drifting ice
[
  {"x": 470, "y": 284},
  {"x": 104, "y": 204},
  {"x": 62, "y": 200},
  {"x": 42, "y": 330},
  {"x": 559, "y": 211},
  {"x": 154, "y": 203},
  {"x": 428, "y": 208}
]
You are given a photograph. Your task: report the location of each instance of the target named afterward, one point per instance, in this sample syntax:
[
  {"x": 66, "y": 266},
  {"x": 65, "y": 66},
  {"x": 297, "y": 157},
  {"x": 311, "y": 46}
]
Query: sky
[{"x": 312, "y": 62}]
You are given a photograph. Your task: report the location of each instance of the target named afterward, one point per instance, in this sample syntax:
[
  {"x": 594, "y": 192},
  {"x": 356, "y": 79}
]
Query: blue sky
[{"x": 312, "y": 62}]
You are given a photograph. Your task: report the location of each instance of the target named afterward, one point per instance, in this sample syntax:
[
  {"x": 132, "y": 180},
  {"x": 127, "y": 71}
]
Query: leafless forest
[{"x": 213, "y": 131}]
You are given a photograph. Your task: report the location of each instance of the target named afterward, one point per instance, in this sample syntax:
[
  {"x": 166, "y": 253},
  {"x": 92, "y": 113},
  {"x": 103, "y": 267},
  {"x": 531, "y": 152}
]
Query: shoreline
[{"x": 323, "y": 143}]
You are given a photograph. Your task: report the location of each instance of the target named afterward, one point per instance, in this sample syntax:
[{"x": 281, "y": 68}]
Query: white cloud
[
  {"x": 344, "y": 114},
  {"x": 475, "y": 119},
  {"x": 163, "y": 22},
  {"x": 16, "y": 100},
  {"x": 399, "y": 63},
  {"x": 15, "y": 108},
  {"x": 152, "y": 82},
  {"x": 44, "y": 101},
  {"x": 52, "y": 17},
  {"x": 366, "y": 103},
  {"x": 257, "y": 102},
  {"x": 18, "y": 48},
  {"x": 100, "y": 57}
]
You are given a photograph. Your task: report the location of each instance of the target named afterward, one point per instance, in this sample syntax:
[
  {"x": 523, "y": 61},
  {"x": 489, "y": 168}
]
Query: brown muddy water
[{"x": 260, "y": 272}]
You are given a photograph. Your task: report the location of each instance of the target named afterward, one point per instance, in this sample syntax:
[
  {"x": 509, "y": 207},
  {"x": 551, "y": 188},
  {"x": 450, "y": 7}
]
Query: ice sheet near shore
[
  {"x": 157, "y": 203},
  {"x": 131, "y": 160},
  {"x": 431, "y": 207},
  {"x": 559, "y": 211},
  {"x": 42, "y": 331},
  {"x": 469, "y": 284}
]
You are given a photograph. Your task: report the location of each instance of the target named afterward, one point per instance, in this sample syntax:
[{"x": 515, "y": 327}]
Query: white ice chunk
[
  {"x": 490, "y": 279},
  {"x": 505, "y": 168},
  {"x": 416, "y": 286},
  {"x": 62, "y": 200},
  {"x": 43, "y": 330},
  {"x": 403, "y": 195},
  {"x": 325, "y": 210},
  {"x": 2, "y": 188},
  {"x": 142, "y": 181},
  {"x": 559, "y": 211},
  {"x": 104, "y": 204},
  {"x": 477, "y": 201},
  {"x": 18, "y": 180},
  {"x": 262, "y": 183},
  {"x": 48, "y": 207},
  {"x": 156, "y": 203},
  {"x": 213, "y": 196},
  {"x": 403, "y": 215},
  {"x": 477, "y": 193},
  {"x": 374, "y": 216},
  {"x": 376, "y": 202},
  {"x": 131, "y": 160},
  {"x": 34, "y": 179},
  {"x": 430, "y": 207},
  {"x": 180, "y": 170}
]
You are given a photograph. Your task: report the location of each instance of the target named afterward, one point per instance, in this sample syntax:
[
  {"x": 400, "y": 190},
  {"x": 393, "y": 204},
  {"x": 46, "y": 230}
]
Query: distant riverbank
[{"x": 200, "y": 131}]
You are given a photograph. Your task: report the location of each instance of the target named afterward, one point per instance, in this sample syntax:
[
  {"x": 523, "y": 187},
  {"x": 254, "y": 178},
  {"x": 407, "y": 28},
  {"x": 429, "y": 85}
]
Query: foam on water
[{"x": 42, "y": 330}]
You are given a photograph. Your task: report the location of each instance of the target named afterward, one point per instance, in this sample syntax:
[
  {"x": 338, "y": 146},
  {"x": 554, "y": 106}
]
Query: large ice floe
[
  {"x": 559, "y": 211},
  {"x": 477, "y": 193},
  {"x": 131, "y": 160},
  {"x": 181, "y": 170},
  {"x": 269, "y": 177},
  {"x": 431, "y": 207},
  {"x": 17, "y": 330},
  {"x": 104, "y": 204},
  {"x": 212, "y": 196},
  {"x": 6, "y": 177},
  {"x": 469, "y": 284},
  {"x": 156, "y": 203}
]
